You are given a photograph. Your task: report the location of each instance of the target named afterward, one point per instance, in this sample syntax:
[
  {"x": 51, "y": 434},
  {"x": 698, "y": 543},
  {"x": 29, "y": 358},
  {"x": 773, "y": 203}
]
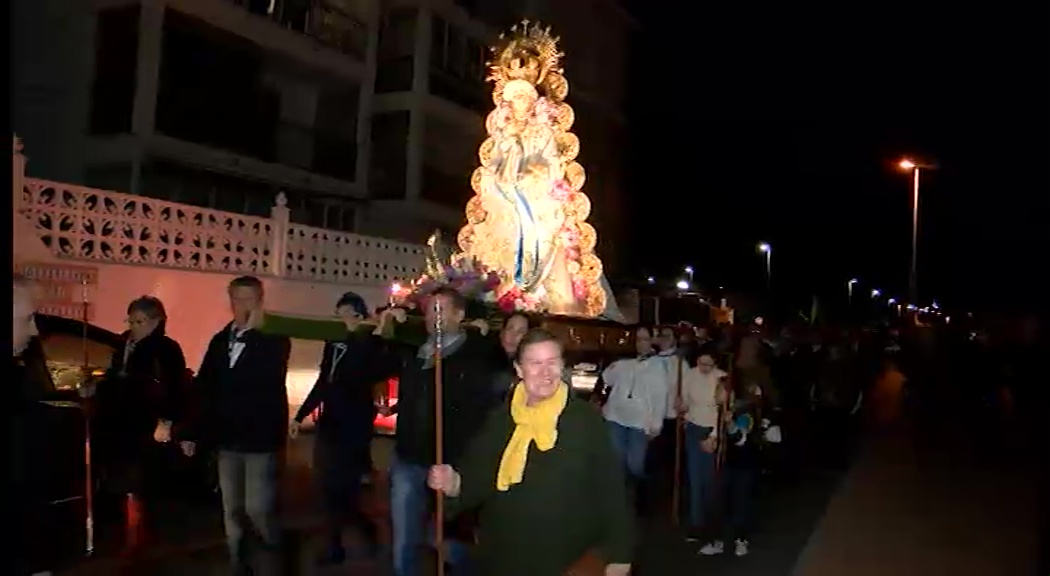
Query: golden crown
[{"x": 528, "y": 52}]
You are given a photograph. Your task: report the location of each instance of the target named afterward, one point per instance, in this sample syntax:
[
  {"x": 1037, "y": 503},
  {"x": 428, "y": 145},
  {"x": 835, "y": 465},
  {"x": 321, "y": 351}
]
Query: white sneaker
[
  {"x": 713, "y": 548},
  {"x": 741, "y": 546}
]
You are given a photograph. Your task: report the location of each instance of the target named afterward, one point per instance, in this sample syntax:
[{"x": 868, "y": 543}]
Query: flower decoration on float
[{"x": 460, "y": 272}]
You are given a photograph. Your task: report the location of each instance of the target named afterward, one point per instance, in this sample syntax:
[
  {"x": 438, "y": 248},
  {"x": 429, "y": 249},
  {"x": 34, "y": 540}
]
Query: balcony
[
  {"x": 321, "y": 20},
  {"x": 319, "y": 151}
]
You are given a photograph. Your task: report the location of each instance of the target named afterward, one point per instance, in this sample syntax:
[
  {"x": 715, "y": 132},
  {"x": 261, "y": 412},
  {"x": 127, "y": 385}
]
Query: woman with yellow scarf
[{"x": 545, "y": 478}]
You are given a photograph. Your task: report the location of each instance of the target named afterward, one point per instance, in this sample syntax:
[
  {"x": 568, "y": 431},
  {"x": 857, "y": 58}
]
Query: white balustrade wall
[{"x": 79, "y": 223}]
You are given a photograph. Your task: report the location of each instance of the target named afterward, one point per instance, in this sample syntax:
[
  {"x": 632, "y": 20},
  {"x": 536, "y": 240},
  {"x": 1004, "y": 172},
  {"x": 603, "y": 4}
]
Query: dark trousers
[
  {"x": 738, "y": 485},
  {"x": 341, "y": 461}
]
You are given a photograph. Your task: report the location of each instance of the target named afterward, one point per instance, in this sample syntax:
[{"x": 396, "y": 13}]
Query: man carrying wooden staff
[{"x": 465, "y": 397}]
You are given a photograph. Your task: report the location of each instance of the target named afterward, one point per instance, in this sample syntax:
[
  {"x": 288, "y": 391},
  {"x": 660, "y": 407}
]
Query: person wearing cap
[{"x": 349, "y": 369}]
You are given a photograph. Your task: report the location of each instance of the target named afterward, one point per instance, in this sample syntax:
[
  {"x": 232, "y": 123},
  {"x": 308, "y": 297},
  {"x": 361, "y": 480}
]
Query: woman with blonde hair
[{"x": 549, "y": 487}]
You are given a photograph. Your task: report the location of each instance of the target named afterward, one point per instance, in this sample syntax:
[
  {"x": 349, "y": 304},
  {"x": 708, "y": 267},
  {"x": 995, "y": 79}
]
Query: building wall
[
  {"x": 102, "y": 121},
  {"x": 51, "y": 66}
]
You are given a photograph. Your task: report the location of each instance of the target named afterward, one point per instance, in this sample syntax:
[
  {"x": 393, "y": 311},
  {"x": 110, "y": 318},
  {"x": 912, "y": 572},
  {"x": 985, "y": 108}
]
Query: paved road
[
  {"x": 948, "y": 499},
  {"x": 908, "y": 501}
]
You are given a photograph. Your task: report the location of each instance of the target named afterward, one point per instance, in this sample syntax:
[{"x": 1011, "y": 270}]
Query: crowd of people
[{"x": 536, "y": 478}]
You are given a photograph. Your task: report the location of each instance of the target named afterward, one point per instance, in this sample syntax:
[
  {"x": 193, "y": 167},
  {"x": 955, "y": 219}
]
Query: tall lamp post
[
  {"x": 766, "y": 249},
  {"x": 849, "y": 291},
  {"x": 913, "y": 275}
]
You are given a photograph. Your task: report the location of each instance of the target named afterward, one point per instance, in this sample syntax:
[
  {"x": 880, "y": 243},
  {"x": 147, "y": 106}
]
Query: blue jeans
[
  {"x": 700, "y": 473},
  {"x": 409, "y": 504},
  {"x": 631, "y": 444},
  {"x": 249, "y": 493}
]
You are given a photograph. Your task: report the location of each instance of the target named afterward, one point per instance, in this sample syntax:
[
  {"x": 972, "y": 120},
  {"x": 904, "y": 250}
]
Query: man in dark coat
[
  {"x": 244, "y": 414},
  {"x": 467, "y": 398},
  {"x": 27, "y": 415}
]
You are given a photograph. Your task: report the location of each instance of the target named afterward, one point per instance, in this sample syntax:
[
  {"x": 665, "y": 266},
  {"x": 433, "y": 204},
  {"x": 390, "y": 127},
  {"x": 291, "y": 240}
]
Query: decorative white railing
[
  {"x": 82, "y": 223},
  {"x": 329, "y": 256}
]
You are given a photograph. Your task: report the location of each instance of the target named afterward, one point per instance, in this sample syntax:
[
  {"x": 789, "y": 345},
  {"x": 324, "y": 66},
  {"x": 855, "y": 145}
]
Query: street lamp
[
  {"x": 849, "y": 290},
  {"x": 891, "y": 301},
  {"x": 689, "y": 272},
  {"x": 875, "y": 292},
  {"x": 765, "y": 248},
  {"x": 651, "y": 280},
  {"x": 682, "y": 285},
  {"x": 913, "y": 275}
]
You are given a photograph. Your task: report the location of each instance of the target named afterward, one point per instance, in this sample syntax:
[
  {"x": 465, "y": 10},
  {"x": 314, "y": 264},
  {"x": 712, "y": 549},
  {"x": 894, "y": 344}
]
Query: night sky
[{"x": 784, "y": 125}]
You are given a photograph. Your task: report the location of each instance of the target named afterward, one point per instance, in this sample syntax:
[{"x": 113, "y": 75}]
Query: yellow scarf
[{"x": 537, "y": 423}]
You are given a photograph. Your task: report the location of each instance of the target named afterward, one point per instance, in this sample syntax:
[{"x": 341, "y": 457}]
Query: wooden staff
[
  {"x": 439, "y": 441},
  {"x": 89, "y": 519},
  {"x": 679, "y": 430},
  {"x": 729, "y": 383},
  {"x": 720, "y": 430}
]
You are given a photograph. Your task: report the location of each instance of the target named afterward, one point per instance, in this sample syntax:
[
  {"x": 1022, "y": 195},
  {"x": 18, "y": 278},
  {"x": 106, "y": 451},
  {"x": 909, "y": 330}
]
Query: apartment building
[
  {"x": 218, "y": 103},
  {"x": 367, "y": 113}
]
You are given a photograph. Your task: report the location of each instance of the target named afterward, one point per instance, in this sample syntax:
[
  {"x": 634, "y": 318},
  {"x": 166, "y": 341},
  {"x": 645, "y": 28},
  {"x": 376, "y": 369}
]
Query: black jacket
[
  {"x": 244, "y": 408},
  {"x": 132, "y": 398},
  {"x": 346, "y": 389},
  {"x": 745, "y": 436},
  {"x": 467, "y": 397}
]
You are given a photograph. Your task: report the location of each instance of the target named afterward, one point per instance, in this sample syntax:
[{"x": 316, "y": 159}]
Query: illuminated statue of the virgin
[{"x": 528, "y": 218}]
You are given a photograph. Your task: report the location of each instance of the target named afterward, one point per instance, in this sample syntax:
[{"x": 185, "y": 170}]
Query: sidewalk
[
  {"x": 928, "y": 503},
  {"x": 194, "y": 543}
]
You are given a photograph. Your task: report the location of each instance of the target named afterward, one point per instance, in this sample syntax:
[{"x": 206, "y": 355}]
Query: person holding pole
[
  {"x": 547, "y": 482},
  {"x": 466, "y": 398},
  {"x": 744, "y": 433}
]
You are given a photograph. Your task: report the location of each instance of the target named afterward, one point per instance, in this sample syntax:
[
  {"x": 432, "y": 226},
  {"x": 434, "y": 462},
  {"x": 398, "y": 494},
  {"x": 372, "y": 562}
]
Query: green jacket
[{"x": 573, "y": 498}]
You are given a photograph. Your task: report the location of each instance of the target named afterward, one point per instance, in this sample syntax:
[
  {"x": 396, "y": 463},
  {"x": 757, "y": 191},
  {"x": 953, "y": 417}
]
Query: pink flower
[
  {"x": 561, "y": 191},
  {"x": 579, "y": 289},
  {"x": 507, "y": 302}
]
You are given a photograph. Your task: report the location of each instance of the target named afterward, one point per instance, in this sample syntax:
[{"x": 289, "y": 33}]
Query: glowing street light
[
  {"x": 849, "y": 290},
  {"x": 875, "y": 292},
  {"x": 682, "y": 285},
  {"x": 651, "y": 280},
  {"x": 765, "y": 248},
  {"x": 689, "y": 272},
  {"x": 891, "y": 301},
  {"x": 913, "y": 276}
]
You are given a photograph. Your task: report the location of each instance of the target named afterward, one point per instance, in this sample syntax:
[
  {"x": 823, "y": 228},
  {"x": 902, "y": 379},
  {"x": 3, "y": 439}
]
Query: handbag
[{"x": 590, "y": 564}]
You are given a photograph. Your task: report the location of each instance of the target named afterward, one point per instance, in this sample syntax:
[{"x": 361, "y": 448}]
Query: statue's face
[{"x": 521, "y": 103}]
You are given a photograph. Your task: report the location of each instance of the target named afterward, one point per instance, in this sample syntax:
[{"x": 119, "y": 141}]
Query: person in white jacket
[
  {"x": 636, "y": 402},
  {"x": 703, "y": 392}
]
